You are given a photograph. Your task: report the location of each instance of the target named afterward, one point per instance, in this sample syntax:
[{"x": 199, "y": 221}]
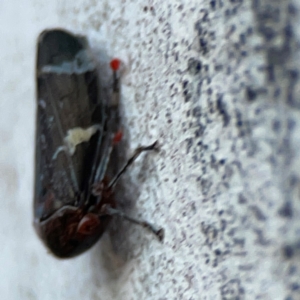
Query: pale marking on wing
[
  {"x": 42, "y": 103},
  {"x": 76, "y": 136},
  {"x": 83, "y": 62}
]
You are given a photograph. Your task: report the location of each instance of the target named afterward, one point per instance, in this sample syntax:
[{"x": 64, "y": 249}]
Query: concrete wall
[{"x": 217, "y": 83}]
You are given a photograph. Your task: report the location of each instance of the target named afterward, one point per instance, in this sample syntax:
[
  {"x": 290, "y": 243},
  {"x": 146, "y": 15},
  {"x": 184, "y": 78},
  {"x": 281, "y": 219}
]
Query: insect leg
[
  {"x": 135, "y": 155},
  {"x": 108, "y": 210}
]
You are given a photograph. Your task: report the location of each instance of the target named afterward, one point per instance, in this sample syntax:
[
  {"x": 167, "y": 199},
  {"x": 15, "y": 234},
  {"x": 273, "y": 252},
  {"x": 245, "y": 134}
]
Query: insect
[{"x": 76, "y": 130}]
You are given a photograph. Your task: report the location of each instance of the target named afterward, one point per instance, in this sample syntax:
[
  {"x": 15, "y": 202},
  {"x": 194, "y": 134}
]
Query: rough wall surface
[{"x": 217, "y": 83}]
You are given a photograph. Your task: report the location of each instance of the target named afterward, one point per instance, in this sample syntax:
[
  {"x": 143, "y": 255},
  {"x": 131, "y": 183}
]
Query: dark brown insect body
[{"x": 74, "y": 201}]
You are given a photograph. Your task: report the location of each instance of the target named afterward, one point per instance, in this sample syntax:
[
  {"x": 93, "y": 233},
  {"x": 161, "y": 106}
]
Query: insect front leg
[{"x": 130, "y": 161}]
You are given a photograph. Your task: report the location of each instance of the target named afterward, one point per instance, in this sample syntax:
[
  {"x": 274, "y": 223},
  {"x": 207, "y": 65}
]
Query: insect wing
[{"x": 71, "y": 122}]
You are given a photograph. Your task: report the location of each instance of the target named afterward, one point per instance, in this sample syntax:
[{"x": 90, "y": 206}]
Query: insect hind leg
[{"x": 108, "y": 210}]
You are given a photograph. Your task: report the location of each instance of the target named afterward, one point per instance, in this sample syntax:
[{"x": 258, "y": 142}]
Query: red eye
[
  {"x": 118, "y": 137},
  {"x": 88, "y": 224},
  {"x": 115, "y": 64}
]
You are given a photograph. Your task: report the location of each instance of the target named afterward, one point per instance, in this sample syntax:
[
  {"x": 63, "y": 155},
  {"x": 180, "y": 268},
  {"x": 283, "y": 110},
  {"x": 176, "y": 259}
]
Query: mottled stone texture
[{"x": 217, "y": 83}]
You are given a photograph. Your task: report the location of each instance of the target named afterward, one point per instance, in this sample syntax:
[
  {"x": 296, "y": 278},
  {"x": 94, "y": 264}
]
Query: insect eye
[
  {"x": 88, "y": 224},
  {"x": 115, "y": 64}
]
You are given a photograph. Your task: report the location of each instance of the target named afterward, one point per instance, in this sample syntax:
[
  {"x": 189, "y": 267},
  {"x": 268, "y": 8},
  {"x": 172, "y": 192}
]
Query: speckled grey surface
[{"x": 217, "y": 83}]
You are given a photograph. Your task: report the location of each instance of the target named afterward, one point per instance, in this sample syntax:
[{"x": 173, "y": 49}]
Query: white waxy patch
[
  {"x": 82, "y": 63},
  {"x": 76, "y": 136}
]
